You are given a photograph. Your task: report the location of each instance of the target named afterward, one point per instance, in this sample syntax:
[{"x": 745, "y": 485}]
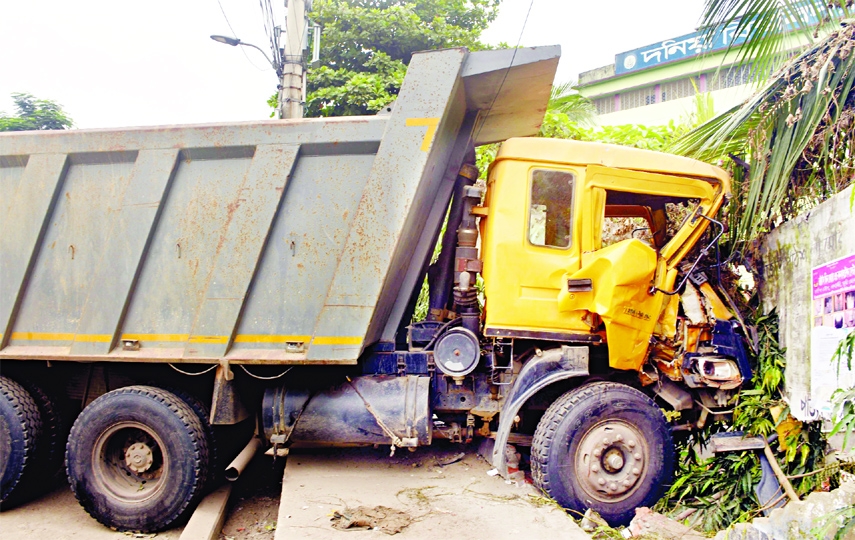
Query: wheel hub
[
  {"x": 611, "y": 460},
  {"x": 139, "y": 457}
]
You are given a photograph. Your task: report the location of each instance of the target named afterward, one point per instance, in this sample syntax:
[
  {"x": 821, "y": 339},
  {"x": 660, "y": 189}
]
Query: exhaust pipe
[{"x": 242, "y": 460}]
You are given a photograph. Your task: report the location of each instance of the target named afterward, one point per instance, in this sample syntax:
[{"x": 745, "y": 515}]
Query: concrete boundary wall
[{"x": 794, "y": 256}]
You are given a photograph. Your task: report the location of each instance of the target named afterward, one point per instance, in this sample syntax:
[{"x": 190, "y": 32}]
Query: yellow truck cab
[{"x": 550, "y": 273}]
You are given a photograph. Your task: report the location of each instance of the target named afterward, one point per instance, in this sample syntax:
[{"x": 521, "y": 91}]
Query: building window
[
  {"x": 605, "y": 105},
  {"x": 734, "y": 76},
  {"x": 680, "y": 88},
  {"x": 638, "y": 98}
]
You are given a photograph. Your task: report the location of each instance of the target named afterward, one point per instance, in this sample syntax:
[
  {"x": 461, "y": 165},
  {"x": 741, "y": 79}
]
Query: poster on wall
[{"x": 833, "y": 295}]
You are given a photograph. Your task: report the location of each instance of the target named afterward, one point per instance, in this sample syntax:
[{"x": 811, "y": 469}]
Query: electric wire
[
  {"x": 270, "y": 29},
  {"x": 223, "y": 11},
  {"x": 508, "y": 70},
  {"x": 229, "y": 24}
]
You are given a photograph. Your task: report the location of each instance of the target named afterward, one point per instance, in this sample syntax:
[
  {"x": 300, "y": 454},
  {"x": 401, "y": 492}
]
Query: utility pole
[{"x": 292, "y": 87}]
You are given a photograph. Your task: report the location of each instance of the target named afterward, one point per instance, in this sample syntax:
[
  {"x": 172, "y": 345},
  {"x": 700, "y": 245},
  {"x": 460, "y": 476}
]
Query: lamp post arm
[{"x": 259, "y": 49}]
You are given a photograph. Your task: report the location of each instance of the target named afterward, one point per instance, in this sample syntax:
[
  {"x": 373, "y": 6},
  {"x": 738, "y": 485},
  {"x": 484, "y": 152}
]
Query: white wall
[{"x": 789, "y": 255}]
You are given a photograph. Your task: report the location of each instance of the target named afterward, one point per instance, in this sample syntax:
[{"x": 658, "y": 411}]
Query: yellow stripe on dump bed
[
  {"x": 42, "y": 336},
  {"x": 263, "y": 338},
  {"x": 337, "y": 340},
  {"x": 155, "y": 337},
  {"x": 209, "y": 339},
  {"x": 241, "y": 338},
  {"x": 94, "y": 338}
]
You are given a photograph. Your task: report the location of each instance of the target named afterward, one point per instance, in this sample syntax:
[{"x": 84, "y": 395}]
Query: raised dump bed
[{"x": 263, "y": 242}]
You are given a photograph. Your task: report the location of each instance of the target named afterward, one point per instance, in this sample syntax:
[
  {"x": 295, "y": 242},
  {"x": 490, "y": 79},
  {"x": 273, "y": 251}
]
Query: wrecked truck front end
[
  {"x": 604, "y": 258},
  {"x": 593, "y": 284}
]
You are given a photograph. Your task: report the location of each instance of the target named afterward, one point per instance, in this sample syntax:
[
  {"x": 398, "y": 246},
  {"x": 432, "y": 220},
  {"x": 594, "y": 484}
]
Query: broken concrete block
[
  {"x": 591, "y": 521},
  {"x": 648, "y": 522},
  {"x": 741, "y": 531}
]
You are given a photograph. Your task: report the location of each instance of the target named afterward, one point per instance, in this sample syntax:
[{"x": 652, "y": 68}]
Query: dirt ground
[
  {"x": 429, "y": 494},
  {"x": 57, "y": 515}
]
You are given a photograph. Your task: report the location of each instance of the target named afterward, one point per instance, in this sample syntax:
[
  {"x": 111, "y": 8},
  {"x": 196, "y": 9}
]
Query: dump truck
[{"x": 159, "y": 285}]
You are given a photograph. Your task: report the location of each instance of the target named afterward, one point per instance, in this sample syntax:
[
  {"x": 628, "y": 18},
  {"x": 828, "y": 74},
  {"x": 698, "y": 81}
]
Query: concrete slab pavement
[{"x": 458, "y": 499}]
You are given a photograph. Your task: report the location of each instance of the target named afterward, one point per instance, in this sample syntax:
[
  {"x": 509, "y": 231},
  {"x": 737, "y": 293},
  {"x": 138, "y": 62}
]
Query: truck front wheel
[
  {"x": 604, "y": 446},
  {"x": 137, "y": 458}
]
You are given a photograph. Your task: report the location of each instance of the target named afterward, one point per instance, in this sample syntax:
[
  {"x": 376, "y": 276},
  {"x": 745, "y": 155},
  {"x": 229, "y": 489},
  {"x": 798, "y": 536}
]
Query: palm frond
[
  {"x": 565, "y": 99},
  {"x": 766, "y": 26},
  {"x": 793, "y": 132}
]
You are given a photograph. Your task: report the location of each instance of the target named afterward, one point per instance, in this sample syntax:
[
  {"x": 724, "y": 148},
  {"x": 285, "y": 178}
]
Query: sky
[{"x": 114, "y": 63}]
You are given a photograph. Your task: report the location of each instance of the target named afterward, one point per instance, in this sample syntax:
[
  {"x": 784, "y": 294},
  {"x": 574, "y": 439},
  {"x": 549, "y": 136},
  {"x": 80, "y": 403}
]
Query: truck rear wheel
[
  {"x": 20, "y": 428},
  {"x": 137, "y": 458},
  {"x": 604, "y": 446},
  {"x": 40, "y": 474},
  {"x": 215, "y": 465}
]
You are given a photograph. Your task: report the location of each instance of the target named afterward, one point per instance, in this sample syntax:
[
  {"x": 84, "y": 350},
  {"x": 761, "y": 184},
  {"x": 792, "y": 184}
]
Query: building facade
[{"x": 657, "y": 83}]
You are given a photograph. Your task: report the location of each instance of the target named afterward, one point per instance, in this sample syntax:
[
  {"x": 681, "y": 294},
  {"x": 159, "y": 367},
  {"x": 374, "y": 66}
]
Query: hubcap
[
  {"x": 129, "y": 463},
  {"x": 610, "y": 460},
  {"x": 138, "y": 457}
]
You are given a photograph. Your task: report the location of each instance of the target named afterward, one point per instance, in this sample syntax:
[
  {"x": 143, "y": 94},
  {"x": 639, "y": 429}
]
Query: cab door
[{"x": 531, "y": 240}]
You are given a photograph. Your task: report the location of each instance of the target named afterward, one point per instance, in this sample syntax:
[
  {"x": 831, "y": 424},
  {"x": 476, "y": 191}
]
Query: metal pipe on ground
[{"x": 242, "y": 460}]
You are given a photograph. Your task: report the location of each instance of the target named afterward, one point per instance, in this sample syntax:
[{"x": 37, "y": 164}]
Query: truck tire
[
  {"x": 40, "y": 475},
  {"x": 604, "y": 446},
  {"x": 215, "y": 467},
  {"x": 20, "y": 427},
  {"x": 55, "y": 426},
  {"x": 137, "y": 459}
]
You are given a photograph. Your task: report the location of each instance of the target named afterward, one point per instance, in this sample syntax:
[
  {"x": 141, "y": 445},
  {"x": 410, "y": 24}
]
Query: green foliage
[
  {"x": 721, "y": 488},
  {"x": 843, "y": 399},
  {"x": 795, "y": 133},
  {"x": 704, "y": 107},
  {"x": 484, "y": 156},
  {"x": 803, "y": 447},
  {"x": 367, "y": 44},
  {"x": 843, "y": 416},
  {"x": 558, "y": 125},
  {"x": 423, "y": 302},
  {"x": 34, "y": 114},
  {"x": 766, "y": 23},
  {"x": 342, "y": 92},
  {"x": 571, "y": 116},
  {"x": 576, "y": 108},
  {"x": 844, "y": 352},
  {"x": 753, "y": 412},
  {"x": 841, "y": 521}
]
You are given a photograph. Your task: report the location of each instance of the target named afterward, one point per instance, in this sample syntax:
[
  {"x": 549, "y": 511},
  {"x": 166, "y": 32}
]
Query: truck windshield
[{"x": 649, "y": 218}]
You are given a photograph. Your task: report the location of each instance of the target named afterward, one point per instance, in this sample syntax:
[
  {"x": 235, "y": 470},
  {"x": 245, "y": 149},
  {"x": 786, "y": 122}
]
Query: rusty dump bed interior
[{"x": 293, "y": 241}]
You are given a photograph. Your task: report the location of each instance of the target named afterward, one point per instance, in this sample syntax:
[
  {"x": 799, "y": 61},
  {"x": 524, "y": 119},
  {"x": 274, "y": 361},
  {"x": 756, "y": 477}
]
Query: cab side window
[{"x": 550, "y": 208}]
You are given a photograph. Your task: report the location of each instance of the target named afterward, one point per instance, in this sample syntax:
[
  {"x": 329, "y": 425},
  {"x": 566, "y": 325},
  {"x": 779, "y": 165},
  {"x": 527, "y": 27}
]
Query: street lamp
[{"x": 234, "y": 42}]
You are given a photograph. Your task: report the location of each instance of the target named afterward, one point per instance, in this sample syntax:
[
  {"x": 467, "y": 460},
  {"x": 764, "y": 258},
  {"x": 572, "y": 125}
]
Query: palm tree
[
  {"x": 564, "y": 99},
  {"x": 795, "y": 135}
]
